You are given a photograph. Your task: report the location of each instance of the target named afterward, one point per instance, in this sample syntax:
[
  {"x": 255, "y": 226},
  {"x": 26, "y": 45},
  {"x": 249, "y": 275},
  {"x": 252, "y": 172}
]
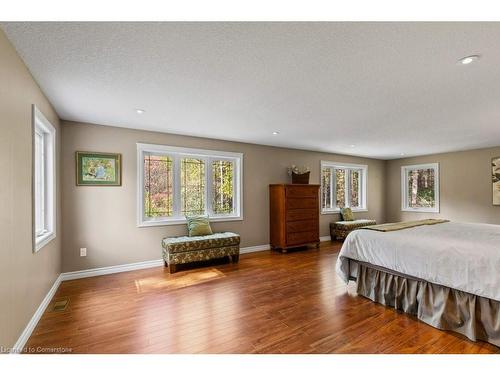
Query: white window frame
[
  {"x": 363, "y": 194},
  {"x": 177, "y": 153},
  {"x": 404, "y": 187},
  {"x": 43, "y": 127}
]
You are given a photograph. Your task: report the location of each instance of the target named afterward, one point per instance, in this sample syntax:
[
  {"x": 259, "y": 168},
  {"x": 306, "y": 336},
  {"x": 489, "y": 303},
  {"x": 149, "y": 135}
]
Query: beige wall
[
  {"x": 103, "y": 219},
  {"x": 465, "y": 187},
  {"x": 25, "y": 277}
]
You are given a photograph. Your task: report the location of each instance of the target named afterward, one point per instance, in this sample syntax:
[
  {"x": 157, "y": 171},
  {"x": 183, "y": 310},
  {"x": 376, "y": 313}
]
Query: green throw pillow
[
  {"x": 198, "y": 225},
  {"x": 347, "y": 214}
]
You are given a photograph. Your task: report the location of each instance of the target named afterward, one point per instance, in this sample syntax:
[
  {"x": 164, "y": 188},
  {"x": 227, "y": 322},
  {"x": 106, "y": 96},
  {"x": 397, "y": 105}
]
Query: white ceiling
[{"x": 386, "y": 88}]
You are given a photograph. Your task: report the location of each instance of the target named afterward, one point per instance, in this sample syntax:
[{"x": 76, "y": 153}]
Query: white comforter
[{"x": 462, "y": 256}]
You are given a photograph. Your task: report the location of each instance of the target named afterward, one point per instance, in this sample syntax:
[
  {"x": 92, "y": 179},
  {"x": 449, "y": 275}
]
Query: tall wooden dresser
[{"x": 294, "y": 215}]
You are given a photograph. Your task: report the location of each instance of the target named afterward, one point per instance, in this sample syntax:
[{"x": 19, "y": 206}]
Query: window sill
[
  {"x": 179, "y": 221},
  {"x": 43, "y": 240},
  {"x": 428, "y": 210},
  {"x": 338, "y": 211}
]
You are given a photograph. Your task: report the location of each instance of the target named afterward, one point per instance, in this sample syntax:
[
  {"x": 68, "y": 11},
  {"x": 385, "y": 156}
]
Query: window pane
[
  {"x": 222, "y": 186},
  {"x": 158, "y": 186},
  {"x": 340, "y": 188},
  {"x": 421, "y": 188},
  {"x": 326, "y": 201},
  {"x": 354, "y": 183},
  {"x": 39, "y": 184},
  {"x": 192, "y": 186}
]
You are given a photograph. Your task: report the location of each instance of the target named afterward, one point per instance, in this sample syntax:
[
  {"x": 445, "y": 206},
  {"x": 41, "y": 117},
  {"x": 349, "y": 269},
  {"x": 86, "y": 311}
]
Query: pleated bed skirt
[{"x": 445, "y": 308}]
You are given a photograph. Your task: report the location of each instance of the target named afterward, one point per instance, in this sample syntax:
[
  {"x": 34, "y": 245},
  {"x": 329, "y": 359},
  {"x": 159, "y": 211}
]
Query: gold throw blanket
[{"x": 390, "y": 227}]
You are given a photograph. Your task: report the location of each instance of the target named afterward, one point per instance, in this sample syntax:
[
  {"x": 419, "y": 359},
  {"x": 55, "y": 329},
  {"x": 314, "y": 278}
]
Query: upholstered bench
[
  {"x": 180, "y": 250},
  {"x": 340, "y": 229}
]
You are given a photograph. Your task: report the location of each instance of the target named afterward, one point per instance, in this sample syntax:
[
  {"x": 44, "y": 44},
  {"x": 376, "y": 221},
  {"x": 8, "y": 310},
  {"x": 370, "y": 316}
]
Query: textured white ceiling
[{"x": 387, "y": 88}]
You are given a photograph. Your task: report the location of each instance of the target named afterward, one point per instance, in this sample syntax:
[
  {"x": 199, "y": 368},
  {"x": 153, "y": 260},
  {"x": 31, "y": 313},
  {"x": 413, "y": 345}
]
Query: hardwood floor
[{"x": 268, "y": 303}]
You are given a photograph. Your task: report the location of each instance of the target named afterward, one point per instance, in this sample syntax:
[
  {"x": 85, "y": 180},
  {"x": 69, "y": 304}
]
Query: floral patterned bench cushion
[
  {"x": 200, "y": 255},
  {"x": 185, "y": 243},
  {"x": 340, "y": 229}
]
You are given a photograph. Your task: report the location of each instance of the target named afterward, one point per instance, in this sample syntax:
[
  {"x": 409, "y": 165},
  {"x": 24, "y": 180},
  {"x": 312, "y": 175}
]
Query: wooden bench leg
[{"x": 172, "y": 268}]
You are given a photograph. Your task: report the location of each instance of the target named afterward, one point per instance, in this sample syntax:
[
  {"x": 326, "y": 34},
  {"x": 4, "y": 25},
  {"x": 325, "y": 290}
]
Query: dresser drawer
[
  {"x": 302, "y": 238},
  {"x": 302, "y": 226},
  {"x": 302, "y": 191},
  {"x": 302, "y": 214},
  {"x": 294, "y": 203}
]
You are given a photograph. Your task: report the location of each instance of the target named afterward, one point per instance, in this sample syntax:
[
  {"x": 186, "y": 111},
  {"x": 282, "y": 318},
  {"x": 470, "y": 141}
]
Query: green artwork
[{"x": 98, "y": 169}]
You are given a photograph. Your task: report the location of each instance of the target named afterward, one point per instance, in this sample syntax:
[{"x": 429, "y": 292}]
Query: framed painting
[
  {"x": 495, "y": 180},
  {"x": 98, "y": 169}
]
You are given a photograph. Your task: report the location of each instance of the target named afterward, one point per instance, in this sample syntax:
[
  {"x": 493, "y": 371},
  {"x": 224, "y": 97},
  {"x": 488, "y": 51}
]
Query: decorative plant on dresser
[
  {"x": 299, "y": 175},
  {"x": 294, "y": 215}
]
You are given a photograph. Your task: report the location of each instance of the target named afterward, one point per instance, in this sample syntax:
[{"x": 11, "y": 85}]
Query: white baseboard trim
[
  {"x": 25, "y": 335},
  {"x": 253, "y": 249},
  {"x": 325, "y": 238},
  {"x": 111, "y": 269}
]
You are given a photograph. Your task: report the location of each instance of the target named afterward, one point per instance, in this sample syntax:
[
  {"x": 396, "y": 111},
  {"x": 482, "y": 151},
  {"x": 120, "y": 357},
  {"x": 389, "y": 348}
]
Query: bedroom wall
[
  {"x": 25, "y": 277},
  {"x": 465, "y": 187},
  {"x": 103, "y": 219}
]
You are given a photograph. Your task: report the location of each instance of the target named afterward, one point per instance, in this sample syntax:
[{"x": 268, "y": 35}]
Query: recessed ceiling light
[
  {"x": 468, "y": 59},
  {"x": 352, "y": 146},
  {"x": 402, "y": 154},
  {"x": 140, "y": 111},
  {"x": 276, "y": 133}
]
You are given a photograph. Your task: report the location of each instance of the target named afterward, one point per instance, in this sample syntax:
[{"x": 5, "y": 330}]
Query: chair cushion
[
  {"x": 346, "y": 214},
  {"x": 340, "y": 229},
  {"x": 185, "y": 243},
  {"x": 353, "y": 224},
  {"x": 198, "y": 225}
]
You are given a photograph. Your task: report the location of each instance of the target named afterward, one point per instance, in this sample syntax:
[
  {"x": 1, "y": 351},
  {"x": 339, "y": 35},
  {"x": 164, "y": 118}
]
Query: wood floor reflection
[{"x": 267, "y": 303}]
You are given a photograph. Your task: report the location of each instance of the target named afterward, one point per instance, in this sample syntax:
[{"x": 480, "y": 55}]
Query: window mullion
[
  {"x": 208, "y": 187},
  {"x": 334, "y": 188},
  {"x": 177, "y": 186},
  {"x": 236, "y": 198},
  {"x": 361, "y": 193},
  {"x": 330, "y": 194},
  {"x": 347, "y": 188}
]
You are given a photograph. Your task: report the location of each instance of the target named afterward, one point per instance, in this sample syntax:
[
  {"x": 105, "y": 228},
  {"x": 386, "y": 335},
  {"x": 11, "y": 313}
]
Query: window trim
[
  {"x": 176, "y": 153},
  {"x": 364, "y": 183},
  {"x": 404, "y": 187},
  {"x": 42, "y": 125}
]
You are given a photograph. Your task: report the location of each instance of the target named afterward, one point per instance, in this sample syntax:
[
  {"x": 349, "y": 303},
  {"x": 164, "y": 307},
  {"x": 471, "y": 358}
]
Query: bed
[{"x": 446, "y": 274}]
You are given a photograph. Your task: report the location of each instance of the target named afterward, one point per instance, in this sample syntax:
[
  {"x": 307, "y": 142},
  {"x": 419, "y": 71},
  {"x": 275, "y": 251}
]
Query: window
[
  {"x": 343, "y": 185},
  {"x": 44, "y": 180},
  {"x": 158, "y": 187},
  {"x": 420, "y": 187},
  {"x": 174, "y": 182}
]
